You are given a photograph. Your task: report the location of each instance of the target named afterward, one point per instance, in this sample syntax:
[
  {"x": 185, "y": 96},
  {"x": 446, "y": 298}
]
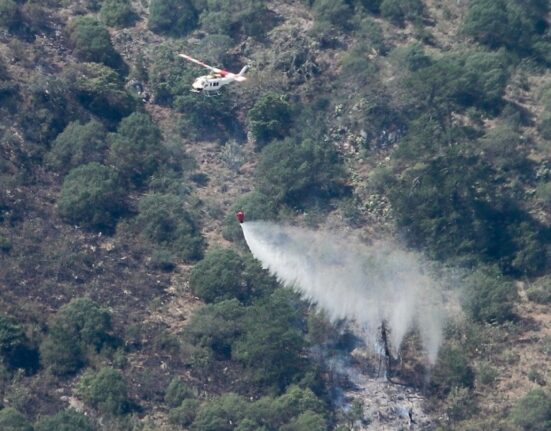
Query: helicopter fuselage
[{"x": 211, "y": 82}]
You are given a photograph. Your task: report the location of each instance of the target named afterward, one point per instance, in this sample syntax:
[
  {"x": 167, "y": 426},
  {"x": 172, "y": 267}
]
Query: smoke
[{"x": 348, "y": 279}]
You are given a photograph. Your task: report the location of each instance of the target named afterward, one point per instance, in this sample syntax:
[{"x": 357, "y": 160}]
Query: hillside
[{"x": 128, "y": 297}]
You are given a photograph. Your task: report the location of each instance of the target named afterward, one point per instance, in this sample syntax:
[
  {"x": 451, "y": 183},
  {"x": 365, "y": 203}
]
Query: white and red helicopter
[{"x": 216, "y": 79}]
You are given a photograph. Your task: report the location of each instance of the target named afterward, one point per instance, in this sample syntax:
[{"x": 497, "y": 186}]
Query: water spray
[{"x": 382, "y": 287}]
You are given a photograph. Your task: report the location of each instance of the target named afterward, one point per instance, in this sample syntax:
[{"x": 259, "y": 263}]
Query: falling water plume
[{"x": 348, "y": 279}]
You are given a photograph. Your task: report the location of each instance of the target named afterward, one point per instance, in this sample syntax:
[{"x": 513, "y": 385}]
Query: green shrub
[
  {"x": 459, "y": 80},
  {"x": 216, "y": 327},
  {"x": 164, "y": 221},
  {"x": 489, "y": 297},
  {"x": 270, "y": 118},
  {"x": 536, "y": 377},
  {"x": 12, "y": 420},
  {"x": 206, "y": 117},
  {"x": 9, "y": 14},
  {"x": 62, "y": 354},
  {"x": 296, "y": 410},
  {"x": 220, "y": 414},
  {"x": 175, "y": 17},
  {"x": 5, "y": 243},
  {"x": 544, "y": 126},
  {"x": 336, "y": 12},
  {"x": 373, "y": 6},
  {"x": 218, "y": 276},
  {"x": 508, "y": 23},
  {"x": 236, "y": 17},
  {"x": 505, "y": 148},
  {"x": 15, "y": 348},
  {"x": 398, "y": 11},
  {"x": 460, "y": 404},
  {"x": 451, "y": 370},
  {"x": 176, "y": 392},
  {"x": 533, "y": 411},
  {"x": 92, "y": 197},
  {"x": 117, "y": 13},
  {"x": 78, "y": 327},
  {"x": 290, "y": 172},
  {"x": 256, "y": 206},
  {"x": 307, "y": 421},
  {"x": 100, "y": 89},
  {"x": 137, "y": 150},
  {"x": 185, "y": 413},
  {"x": 223, "y": 274},
  {"x": 540, "y": 291},
  {"x": 106, "y": 391},
  {"x": 486, "y": 374},
  {"x": 271, "y": 348},
  {"x": 480, "y": 219},
  {"x": 91, "y": 42},
  {"x": 49, "y": 109},
  {"x": 169, "y": 75},
  {"x": 76, "y": 145},
  {"x": 66, "y": 420}
]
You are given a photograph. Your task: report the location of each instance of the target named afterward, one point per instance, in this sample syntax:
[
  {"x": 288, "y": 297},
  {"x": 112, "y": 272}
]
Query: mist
[{"x": 367, "y": 284}]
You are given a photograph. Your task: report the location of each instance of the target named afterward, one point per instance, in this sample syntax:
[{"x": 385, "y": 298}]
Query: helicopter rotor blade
[{"x": 200, "y": 63}]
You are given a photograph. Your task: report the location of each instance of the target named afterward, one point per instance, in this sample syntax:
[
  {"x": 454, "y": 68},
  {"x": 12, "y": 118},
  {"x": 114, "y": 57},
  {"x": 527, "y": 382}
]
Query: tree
[
  {"x": 185, "y": 413},
  {"x": 270, "y": 118},
  {"x": 106, "y": 391},
  {"x": 506, "y": 149},
  {"x": 533, "y": 411},
  {"x": 400, "y": 10},
  {"x": 373, "y": 6},
  {"x": 62, "y": 354},
  {"x": 15, "y": 348},
  {"x": 217, "y": 327},
  {"x": 249, "y": 17},
  {"x": 65, "y": 420},
  {"x": 271, "y": 347},
  {"x": 12, "y": 420},
  {"x": 117, "y": 13},
  {"x": 92, "y": 197},
  {"x": 291, "y": 172},
  {"x": 223, "y": 274},
  {"x": 48, "y": 110},
  {"x": 174, "y": 17},
  {"x": 307, "y": 421},
  {"x": 452, "y": 369},
  {"x": 510, "y": 23},
  {"x": 76, "y": 145},
  {"x": 164, "y": 221},
  {"x": 206, "y": 117},
  {"x": 9, "y": 14},
  {"x": 100, "y": 90},
  {"x": 78, "y": 327},
  {"x": 176, "y": 392},
  {"x": 218, "y": 277},
  {"x": 453, "y": 205},
  {"x": 489, "y": 296},
  {"x": 335, "y": 12},
  {"x": 220, "y": 414},
  {"x": 137, "y": 150},
  {"x": 456, "y": 81},
  {"x": 91, "y": 42}
]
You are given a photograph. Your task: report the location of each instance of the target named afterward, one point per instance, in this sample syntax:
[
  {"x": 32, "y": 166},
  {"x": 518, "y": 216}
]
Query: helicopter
[{"x": 216, "y": 79}]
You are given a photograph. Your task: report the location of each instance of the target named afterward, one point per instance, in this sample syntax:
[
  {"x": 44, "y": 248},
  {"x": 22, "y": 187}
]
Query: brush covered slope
[{"x": 129, "y": 300}]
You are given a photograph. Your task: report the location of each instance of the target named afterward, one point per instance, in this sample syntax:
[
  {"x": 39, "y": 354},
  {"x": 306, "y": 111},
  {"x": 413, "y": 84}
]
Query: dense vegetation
[{"x": 429, "y": 121}]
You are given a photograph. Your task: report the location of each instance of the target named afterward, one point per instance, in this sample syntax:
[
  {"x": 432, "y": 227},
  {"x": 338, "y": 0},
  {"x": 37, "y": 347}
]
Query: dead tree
[{"x": 386, "y": 356}]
